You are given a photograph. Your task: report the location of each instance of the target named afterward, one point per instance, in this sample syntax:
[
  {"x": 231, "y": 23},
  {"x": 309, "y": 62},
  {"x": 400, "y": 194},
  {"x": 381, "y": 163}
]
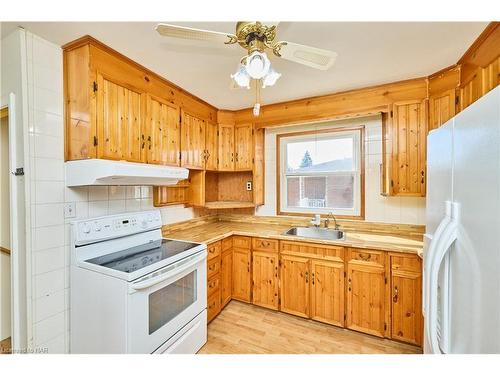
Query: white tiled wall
[
  {"x": 50, "y": 251},
  {"x": 407, "y": 210}
]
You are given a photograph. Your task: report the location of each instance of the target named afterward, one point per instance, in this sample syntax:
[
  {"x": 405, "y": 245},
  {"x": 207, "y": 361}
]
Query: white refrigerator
[{"x": 462, "y": 241}]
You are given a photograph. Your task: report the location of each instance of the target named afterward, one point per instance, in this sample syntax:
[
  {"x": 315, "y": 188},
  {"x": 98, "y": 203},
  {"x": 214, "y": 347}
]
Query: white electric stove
[{"x": 133, "y": 291}]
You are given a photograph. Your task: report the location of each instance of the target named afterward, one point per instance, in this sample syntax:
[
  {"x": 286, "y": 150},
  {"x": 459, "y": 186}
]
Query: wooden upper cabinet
[
  {"x": 79, "y": 98},
  {"x": 294, "y": 287},
  {"x": 409, "y": 132},
  {"x": 327, "y": 292},
  {"x": 226, "y": 147},
  {"x": 470, "y": 90},
  {"x": 265, "y": 279},
  {"x": 119, "y": 121},
  {"x": 163, "y": 133},
  {"x": 243, "y": 147},
  {"x": 192, "y": 141},
  {"x": 366, "y": 292},
  {"x": 106, "y": 96},
  {"x": 211, "y": 146},
  {"x": 441, "y": 108}
]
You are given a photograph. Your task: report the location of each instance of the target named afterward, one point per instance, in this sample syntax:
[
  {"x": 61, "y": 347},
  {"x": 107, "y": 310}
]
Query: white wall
[
  {"x": 407, "y": 210},
  {"x": 50, "y": 230}
]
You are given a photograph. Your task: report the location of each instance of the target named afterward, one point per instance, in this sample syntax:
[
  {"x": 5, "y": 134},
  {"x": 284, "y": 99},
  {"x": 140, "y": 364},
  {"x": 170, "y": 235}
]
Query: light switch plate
[
  {"x": 69, "y": 210},
  {"x": 249, "y": 185}
]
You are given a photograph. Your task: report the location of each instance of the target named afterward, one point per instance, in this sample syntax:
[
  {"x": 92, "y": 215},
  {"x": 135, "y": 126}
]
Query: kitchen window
[{"x": 321, "y": 171}]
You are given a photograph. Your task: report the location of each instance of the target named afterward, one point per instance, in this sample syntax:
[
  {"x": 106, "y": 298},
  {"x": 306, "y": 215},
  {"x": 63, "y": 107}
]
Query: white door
[
  {"x": 475, "y": 260},
  {"x": 439, "y": 191},
  {"x": 17, "y": 228}
]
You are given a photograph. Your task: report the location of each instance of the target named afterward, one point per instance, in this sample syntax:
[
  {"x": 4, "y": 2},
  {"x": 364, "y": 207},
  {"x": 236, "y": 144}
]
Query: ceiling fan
[{"x": 256, "y": 37}]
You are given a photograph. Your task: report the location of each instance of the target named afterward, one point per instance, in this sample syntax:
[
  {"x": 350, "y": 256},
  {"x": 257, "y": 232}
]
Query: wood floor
[
  {"x": 247, "y": 329},
  {"x": 5, "y": 346}
]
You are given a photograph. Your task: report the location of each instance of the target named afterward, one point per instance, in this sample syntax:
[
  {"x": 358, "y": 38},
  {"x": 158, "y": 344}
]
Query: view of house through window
[{"x": 320, "y": 172}]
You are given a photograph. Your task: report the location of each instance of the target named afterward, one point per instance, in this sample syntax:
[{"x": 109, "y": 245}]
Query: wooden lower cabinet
[
  {"x": 406, "y": 298},
  {"x": 370, "y": 291},
  {"x": 226, "y": 276},
  {"x": 265, "y": 281},
  {"x": 327, "y": 292},
  {"x": 295, "y": 285},
  {"x": 366, "y": 298},
  {"x": 242, "y": 286}
]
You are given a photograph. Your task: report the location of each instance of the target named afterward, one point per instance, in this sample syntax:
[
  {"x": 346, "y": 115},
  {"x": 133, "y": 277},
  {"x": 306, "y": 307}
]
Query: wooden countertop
[{"x": 211, "y": 232}]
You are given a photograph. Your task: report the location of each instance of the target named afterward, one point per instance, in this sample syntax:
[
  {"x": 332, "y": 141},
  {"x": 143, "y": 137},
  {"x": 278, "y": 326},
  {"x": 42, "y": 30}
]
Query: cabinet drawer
[
  {"x": 214, "y": 250},
  {"x": 227, "y": 243},
  {"x": 264, "y": 244},
  {"x": 367, "y": 256},
  {"x": 311, "y": 250},
  {"x": 213, "y": 285},
  {"x": 406, "y": 263},
  {"x": 213, "y": 267},
  {"x": 242, "y": 242},
  {"x": 213, "y": 305}
]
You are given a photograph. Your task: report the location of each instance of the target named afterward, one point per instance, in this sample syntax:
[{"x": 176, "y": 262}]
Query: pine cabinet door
[
  {"x": 265, "y": 279},
  {"x": 409, "y": 148},
  {"x": 327, "y": 292},
  {"x": 226, "y": 276},
  {"x": 406, "y": 298},
  {"x": 211, "y": 146},
  {"x": 241, "y": 274},
  {"x": 243, "y": 151},
  {"x": 365, "y": 299},
  {"x": 441, "y": 108},
  {"x": 119, "y": 121},
  {"x": 162, "y": 139},
  {"x": 226, "y": 147},
  {"x": 192, "y": 141},
  {"x": 294, "y": 273}
]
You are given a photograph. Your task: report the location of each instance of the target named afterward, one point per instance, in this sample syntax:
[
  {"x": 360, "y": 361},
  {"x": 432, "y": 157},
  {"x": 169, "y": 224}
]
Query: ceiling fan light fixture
[
  {"x": 257, "y": 65},
  {"x": 241, "y": 77},
  {"x": 270, "y": 79}
]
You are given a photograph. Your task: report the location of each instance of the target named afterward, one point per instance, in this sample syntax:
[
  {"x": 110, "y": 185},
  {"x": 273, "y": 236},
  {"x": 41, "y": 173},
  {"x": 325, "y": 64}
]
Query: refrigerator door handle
[
  {"x": 443, "y": 245},
  {"x": 430, "y": 251}
]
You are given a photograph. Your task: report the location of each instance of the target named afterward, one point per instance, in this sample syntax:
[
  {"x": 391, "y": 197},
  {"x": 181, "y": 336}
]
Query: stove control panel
[{"x": 108, "y": 227}]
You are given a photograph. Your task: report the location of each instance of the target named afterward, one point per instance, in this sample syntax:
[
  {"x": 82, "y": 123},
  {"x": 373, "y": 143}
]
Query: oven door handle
[{"x": 168, "y": 274}]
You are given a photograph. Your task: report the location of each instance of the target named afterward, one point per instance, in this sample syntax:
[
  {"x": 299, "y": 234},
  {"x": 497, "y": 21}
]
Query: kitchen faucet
[{"x": 327, "y": 221}]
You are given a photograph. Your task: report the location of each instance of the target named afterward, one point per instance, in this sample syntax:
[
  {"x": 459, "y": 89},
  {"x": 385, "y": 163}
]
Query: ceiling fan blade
[
  {"x": 175, "y": 31},
  {"x": 311, "y": 56}
]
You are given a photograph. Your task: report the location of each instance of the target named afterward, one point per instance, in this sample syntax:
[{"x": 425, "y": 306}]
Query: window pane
[
  {"x": 320, "y": 155},
  {"x": 332, "y": 191}
]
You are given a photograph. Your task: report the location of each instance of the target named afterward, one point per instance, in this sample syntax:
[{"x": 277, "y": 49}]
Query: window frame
[{"x": 358, "y": 213}]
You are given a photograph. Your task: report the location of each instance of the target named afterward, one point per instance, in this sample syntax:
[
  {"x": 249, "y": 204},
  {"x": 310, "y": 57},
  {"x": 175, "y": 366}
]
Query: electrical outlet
[
  {"x": 69, "y": 210},
  {"x": 249, "y": 185}
]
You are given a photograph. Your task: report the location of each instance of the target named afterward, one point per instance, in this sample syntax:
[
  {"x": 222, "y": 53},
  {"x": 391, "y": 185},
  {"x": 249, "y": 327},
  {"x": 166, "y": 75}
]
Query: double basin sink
[{"x": 318, "y": 233}]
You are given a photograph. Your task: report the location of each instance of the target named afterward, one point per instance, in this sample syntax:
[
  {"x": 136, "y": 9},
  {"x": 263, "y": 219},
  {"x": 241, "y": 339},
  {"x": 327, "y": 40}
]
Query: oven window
[{"x": 167, "y": 303}]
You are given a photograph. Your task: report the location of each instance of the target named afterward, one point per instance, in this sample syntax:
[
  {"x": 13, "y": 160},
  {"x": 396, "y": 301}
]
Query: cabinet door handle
[
  {"x": 312, "y": 275},
  {"x": 349, "y": 284},
  {"x": 236, "y": 156},
  {"x": 307, "y": 277},
  {"x": 364, "y": 257},
  {"x": 396, "y": 294}
]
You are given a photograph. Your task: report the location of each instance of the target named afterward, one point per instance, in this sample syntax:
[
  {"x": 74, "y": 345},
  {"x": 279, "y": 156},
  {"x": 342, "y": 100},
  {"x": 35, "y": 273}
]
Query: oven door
[{"x": 163, "y": 302}]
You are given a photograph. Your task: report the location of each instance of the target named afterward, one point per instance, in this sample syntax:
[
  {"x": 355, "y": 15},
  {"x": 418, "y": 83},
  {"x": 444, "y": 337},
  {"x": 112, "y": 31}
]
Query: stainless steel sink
[{"x": 320, "y": 233}]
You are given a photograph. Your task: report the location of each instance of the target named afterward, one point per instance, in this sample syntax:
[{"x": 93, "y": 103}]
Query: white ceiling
[{"x": 370, "y": 53}]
